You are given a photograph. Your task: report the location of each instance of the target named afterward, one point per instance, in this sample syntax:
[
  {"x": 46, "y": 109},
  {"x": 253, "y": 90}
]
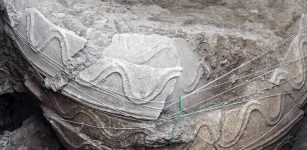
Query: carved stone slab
[
  {"x": 128, "y": 97},
  {"x": 134, "y": 73},
  {"x": 52, "y": 47}
]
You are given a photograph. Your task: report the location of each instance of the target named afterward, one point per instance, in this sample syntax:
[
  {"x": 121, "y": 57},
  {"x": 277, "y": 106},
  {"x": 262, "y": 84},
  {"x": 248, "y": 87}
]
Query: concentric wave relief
[{"x": 133, "y": 79}]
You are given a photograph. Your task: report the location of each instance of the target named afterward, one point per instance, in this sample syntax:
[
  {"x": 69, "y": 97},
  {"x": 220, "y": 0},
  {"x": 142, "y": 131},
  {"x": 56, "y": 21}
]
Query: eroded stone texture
[
  {"x": 33, "y": 134},
  {"x": 119, "y": 71}
]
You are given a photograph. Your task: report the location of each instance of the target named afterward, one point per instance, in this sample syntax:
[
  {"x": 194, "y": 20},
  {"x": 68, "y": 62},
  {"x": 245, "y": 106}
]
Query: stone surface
[
  {"x": 134, "y": 74},
  {"x": 22, "y": 125},
  {"x": 33, "y": 134},
  {"x": 301, "y": 137}
]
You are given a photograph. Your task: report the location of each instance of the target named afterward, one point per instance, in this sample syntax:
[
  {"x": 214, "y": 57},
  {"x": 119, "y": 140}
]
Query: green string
[
  {"x": 181, "y": 105},
  {"x": 182, "y": 110}
]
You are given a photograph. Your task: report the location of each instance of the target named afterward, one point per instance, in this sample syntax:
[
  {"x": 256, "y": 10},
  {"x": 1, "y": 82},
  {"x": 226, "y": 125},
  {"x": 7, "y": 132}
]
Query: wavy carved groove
[
  {"x": 53, "y": 34},
  {"x": 294, "y": 52},
  {"x": 67, "y": 40},
  {"x": 212, "y": 128},
  {"x": 111, "y": 136},
  {"x": 297, "y": 50},
  {"x": 132, "y": 85},
  {"x": 244, "y": 115}
]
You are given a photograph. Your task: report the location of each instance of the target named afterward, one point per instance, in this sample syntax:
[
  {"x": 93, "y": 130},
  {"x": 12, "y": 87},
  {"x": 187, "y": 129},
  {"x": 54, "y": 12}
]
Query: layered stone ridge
[
  {"x": 138, "y": 72},
  {"x": 123, "y": 88}
]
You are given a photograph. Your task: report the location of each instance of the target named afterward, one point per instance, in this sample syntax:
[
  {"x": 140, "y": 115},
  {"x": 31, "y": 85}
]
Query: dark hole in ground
[
  {"x": 22, "y": 125},
  {"x": 15, "y": 108}
]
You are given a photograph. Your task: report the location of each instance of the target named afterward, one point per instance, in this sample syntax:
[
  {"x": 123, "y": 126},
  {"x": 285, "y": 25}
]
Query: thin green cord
[
  {"x": 181, "y": 105},
  {"x": 181, "y": 108},
  {"x": 203, "y": 107}
]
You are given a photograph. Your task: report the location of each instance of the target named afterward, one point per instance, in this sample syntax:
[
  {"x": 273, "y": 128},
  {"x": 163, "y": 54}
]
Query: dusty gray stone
[
  {"x": 118, "y": 68},
  {"x": 33, "y": 134}
]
